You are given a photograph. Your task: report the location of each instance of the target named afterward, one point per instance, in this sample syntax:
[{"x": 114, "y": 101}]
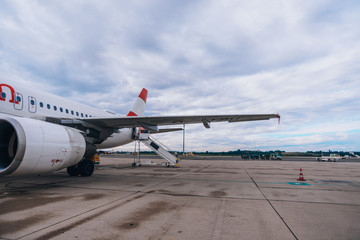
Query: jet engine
[{"x": 30, "y": 146}]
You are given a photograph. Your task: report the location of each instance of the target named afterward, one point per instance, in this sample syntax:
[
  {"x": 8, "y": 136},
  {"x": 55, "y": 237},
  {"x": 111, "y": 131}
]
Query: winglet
[
  {"x": 278, "y": 116},
  {"x": 138, "y": 108}
]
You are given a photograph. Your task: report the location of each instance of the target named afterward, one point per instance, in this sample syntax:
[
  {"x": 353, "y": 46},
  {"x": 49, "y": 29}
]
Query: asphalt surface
[{"x": 203, "y": 199}]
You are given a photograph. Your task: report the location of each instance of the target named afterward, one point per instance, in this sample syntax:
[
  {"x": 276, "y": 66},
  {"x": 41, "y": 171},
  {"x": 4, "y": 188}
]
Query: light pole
[{"x": 184, "y": 139}]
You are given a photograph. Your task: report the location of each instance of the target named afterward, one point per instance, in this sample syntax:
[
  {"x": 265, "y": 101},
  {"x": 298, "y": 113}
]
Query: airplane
[{"x": 42, "y": 133}]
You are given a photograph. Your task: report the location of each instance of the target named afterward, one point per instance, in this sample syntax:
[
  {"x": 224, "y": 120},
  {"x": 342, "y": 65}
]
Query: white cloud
[{"x": 199, "y": 57}]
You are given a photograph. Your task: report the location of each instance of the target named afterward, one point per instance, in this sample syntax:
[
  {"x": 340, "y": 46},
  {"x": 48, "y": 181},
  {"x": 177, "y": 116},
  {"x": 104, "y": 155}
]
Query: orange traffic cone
[{"x": 301, "y": 176}]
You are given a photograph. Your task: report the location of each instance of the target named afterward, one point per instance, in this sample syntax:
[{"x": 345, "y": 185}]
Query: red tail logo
[{"x": 13, "y": 100}]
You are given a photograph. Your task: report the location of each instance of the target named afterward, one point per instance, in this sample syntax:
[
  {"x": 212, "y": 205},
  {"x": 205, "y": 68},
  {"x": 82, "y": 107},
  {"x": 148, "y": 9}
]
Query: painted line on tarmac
[{"x": 272, "y": 206}]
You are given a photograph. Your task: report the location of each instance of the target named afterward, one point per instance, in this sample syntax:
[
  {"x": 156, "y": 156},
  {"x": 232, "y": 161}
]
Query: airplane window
[
  {"x": 61, "y": 109},
  {"x": 55, "y": 108},
  {"x": 3, "y": 95},
  {"x": 67, "y": 110},
  {"x": 77, "y": 113},
  {"x": 18, "y": 99},
  {"x": 86, "y": 115},
  {"x": 48, "y": 106},
  {"x": 72, "y": 112},
  {"x": 32, "y": 102},
  {"x": 82, "y": 115},
  {"x": 41, "y": 104}
]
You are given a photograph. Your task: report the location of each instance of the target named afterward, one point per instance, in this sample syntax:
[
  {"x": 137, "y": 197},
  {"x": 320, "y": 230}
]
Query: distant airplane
[{"x": 42, "y": 133}]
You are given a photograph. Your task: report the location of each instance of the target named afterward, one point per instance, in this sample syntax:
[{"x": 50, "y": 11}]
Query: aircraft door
[
  {"x": 18, "y": 103},
  {"x": 32, "y": 104}
]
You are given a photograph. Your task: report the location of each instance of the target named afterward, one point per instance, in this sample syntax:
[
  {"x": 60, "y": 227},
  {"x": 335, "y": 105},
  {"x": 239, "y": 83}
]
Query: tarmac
[{"x": 203, "y": 199}]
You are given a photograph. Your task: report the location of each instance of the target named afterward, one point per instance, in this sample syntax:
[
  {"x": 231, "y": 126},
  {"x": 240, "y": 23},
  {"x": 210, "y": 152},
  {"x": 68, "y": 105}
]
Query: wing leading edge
[{"x": 154, "y": 121}]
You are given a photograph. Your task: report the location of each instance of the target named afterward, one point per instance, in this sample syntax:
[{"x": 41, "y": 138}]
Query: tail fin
[{"x": 138, "y": 108}]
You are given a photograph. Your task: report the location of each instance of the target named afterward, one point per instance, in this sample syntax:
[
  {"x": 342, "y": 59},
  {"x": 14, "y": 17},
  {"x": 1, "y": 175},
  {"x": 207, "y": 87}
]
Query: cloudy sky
[{"x": 293, "y": 57}]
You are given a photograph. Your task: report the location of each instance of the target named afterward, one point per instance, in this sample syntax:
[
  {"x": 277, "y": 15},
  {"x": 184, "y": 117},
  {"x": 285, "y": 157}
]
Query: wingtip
[{"x": 278, "y": 116}]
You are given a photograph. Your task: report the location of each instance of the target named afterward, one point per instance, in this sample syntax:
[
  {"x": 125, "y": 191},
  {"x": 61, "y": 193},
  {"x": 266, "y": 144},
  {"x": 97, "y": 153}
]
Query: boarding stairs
[{"x": 159, "y": 148}]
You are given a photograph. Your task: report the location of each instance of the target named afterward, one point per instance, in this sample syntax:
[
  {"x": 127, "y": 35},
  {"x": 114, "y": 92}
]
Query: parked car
[{"x": 331, "y": 158}]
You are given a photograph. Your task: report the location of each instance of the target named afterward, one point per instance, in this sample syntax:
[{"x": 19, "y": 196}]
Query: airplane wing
[{"x": 151, "y": 122}]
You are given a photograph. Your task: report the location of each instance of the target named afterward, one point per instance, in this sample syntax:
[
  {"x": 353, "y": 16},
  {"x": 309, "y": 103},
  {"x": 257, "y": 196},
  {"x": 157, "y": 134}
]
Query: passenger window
[
  {"x": 41, "y": 104},
  {"x": 72, "y": 112},
  {"x": 86, "y": 115},
  {"x": 3, "y": 95},
  {"x": 32, "y": 102},
  {"x": 82, "y": 115},
  {"x": 48, "y": 106},
  {"x": 77, "y": 113},
  {"x": 55, "y": 108},
  {"x": 67, "y": 111},
  {"x": 61, "y": 109},
  {"x": 18, "y": 99}
]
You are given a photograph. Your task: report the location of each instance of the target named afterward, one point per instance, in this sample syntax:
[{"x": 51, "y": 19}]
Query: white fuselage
[{"x": 26, "y": 102}]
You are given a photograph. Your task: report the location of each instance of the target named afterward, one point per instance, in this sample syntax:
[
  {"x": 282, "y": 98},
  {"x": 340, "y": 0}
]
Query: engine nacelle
[{"x": 30, "y": 146}]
